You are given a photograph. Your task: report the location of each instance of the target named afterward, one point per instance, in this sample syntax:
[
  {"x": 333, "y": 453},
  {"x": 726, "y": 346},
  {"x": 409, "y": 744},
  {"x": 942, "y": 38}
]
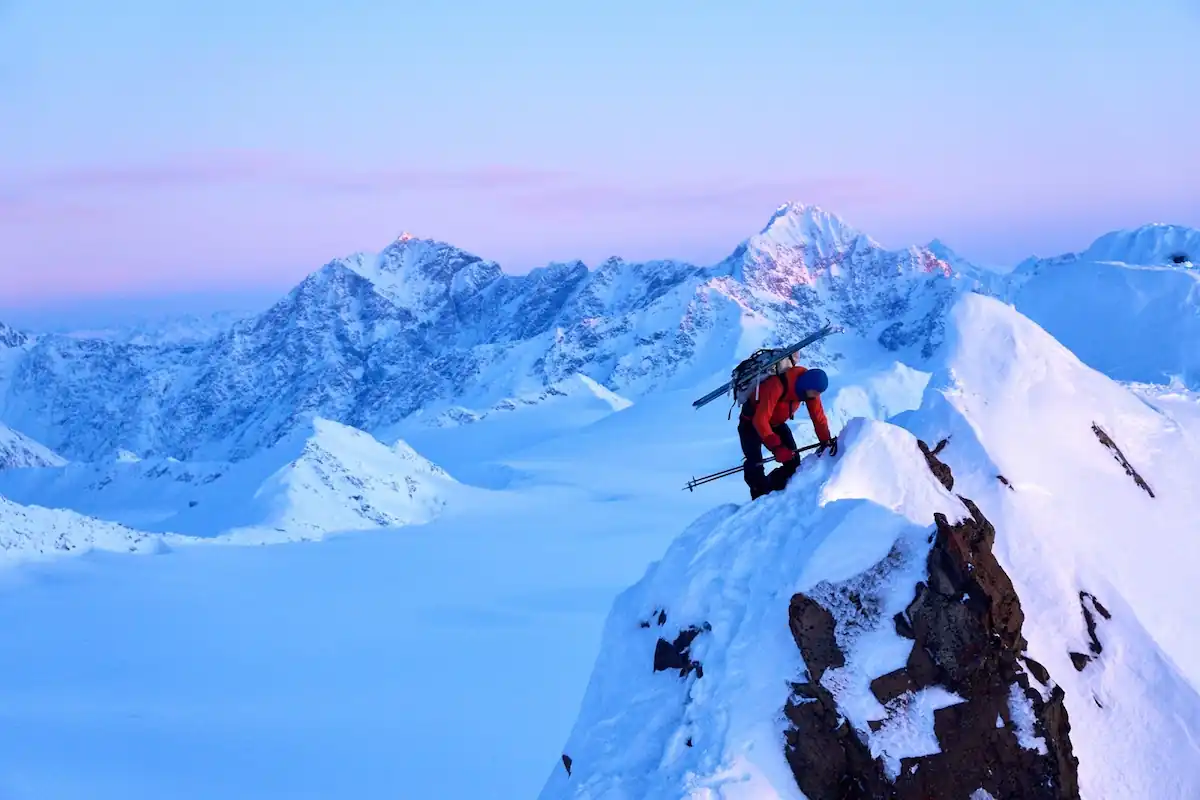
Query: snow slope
[
  {"x": 1013, "y": 402},
  {"x": 18, "y": 450},
  {"x": 1017, "y": 403}
]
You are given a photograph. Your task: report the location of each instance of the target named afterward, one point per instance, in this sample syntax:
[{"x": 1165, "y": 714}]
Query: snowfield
[{"x": 463, "y": 475}]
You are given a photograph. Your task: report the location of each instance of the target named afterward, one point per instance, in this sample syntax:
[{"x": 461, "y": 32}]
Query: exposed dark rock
[
  {"x": 812, "y": 627},
  {"x": 939, "y": 470},
  {"x": 677, "y": 655},
  {"x": 827, "y": 757},
  {"x": 1004, "y": 480},
  {"x": 567, "y": 762},
  {"x": 662, "y": 617},
  {"x": 1090, "y": 619},
  {"x": 1090, "y": 607},
  {"x": 965, "y": 623},
  {"x": 887, "y": 688},
  {"x": 1180, "y": 258},
  {"x": 1107, "y": 441},
  {"x": 1037, "y": 670}
]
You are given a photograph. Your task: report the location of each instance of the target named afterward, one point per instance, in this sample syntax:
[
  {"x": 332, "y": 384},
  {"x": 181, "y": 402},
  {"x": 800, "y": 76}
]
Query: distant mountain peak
[{"x": 795, "y": 223}]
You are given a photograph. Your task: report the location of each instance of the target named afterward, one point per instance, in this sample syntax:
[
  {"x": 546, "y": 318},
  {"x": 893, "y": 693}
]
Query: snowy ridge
[
  {"x": 18, "y": 450},
  {"x": 733, "y": 571},
  {"x": 687, "y": 698}
]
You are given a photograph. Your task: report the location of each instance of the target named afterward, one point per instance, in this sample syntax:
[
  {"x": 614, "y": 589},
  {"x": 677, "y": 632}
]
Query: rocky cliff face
[{"x": 1007, "y": 734}]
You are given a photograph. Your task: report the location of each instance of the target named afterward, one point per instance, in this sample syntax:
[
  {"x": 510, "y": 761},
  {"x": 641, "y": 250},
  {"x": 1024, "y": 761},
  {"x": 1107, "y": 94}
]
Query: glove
[
  {"x": 831, "y": 446},
  {"x": 783, "y": 455}
]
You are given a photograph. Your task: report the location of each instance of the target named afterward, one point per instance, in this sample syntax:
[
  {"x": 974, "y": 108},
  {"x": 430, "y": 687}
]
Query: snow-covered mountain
[
  {"x": 957, "y": 605},
  {"x": 324, "y": 478},
  {"x": 370, "y": 339},
  {"x": 342, "y": 480},
  {"x": 18, "y": 450}
]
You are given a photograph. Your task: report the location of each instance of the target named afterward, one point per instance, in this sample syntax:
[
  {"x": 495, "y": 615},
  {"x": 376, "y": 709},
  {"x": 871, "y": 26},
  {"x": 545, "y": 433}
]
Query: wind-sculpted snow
[{"x": 369, "y": 339}]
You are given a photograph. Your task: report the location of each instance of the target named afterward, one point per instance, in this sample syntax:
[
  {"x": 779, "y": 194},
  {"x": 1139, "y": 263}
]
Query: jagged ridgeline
[{"x": 369, "y": 339}]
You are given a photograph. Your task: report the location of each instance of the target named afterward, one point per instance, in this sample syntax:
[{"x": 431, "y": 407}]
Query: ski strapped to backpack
[{"x": 760, "y": 365}]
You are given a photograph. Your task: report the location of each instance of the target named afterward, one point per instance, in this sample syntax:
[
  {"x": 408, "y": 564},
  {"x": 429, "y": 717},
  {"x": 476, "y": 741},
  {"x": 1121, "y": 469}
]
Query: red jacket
[{"x": 775, "y": 405}]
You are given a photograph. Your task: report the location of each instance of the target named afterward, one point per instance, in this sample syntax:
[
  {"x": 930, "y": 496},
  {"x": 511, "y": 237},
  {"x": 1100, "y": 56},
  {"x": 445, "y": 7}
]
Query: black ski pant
[{"x": 753, "y": 472}]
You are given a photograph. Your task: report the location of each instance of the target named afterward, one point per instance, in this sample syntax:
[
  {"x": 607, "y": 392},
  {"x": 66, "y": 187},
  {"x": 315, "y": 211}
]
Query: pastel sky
[{"x": 151, "y": 147}]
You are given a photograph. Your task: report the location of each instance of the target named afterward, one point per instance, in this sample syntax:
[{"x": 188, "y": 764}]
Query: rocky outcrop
[
  {"x": 1004, "y": 733},
  {"x": 1091, "y": 608},
  {"x": 1107, "y": 441}
]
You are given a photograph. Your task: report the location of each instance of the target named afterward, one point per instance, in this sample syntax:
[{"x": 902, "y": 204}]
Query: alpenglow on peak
[{"x": 797, "y": 224}]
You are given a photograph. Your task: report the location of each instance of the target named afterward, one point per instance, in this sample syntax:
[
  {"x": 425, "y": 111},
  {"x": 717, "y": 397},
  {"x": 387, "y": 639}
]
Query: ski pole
[{"x": 694, "y": 482}]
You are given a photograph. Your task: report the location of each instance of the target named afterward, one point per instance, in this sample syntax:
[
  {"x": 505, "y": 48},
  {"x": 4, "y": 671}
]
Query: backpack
[{"x": 752, "y": 371}]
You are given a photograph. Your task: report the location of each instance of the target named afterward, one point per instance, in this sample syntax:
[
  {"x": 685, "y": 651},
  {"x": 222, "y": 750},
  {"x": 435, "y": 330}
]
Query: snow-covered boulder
[{"x": 962, "y": 604}]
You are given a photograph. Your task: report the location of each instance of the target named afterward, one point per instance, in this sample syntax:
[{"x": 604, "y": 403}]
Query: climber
[{"x": 763, "y": 423}]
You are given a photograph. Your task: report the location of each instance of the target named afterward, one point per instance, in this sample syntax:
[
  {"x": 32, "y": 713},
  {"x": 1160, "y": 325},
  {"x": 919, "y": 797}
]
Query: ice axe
[{"x": 725, "y": 473}]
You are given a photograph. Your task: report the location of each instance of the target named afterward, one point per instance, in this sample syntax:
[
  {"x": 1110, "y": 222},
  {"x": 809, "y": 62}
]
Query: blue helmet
[{"x": 811, "y": 379}]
